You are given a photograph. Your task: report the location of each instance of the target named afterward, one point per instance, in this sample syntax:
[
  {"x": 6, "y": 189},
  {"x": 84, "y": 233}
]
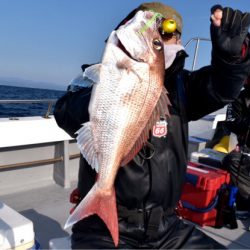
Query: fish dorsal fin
[
  {"x": 161, "y": 109},
  {"x": 93, "y": 72},
  {"x": 85, "y": 143}
]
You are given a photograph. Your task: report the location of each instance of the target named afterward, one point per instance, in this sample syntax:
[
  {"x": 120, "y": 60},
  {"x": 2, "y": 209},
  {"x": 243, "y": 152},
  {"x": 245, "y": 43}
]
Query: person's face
[{"x": 172, "y": 39}]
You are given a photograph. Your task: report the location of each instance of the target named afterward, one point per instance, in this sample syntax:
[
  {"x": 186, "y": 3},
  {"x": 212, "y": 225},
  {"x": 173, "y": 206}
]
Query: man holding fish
[{"x": 130, "y": 116}]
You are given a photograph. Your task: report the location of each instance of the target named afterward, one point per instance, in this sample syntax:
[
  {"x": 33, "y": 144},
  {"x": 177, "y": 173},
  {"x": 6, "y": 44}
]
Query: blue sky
[{"x": 48, "y": 40}]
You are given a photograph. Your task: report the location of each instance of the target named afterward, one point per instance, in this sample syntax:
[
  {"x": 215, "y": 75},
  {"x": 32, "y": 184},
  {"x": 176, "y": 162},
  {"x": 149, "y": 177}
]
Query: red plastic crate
[
  {"x": 203, "y": 219},
  {"x": 200, "y": 191}
]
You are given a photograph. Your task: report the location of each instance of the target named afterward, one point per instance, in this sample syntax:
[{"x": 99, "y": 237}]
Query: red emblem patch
[{"x": 160, "y": 129}]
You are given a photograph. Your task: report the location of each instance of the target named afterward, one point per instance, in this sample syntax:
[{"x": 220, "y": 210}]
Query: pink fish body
[{"x": 126, "y": 101}]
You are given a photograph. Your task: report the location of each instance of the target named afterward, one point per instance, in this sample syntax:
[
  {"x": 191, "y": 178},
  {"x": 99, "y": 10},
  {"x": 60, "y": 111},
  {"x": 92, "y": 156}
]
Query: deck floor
[{"x": 48, "y": 208}]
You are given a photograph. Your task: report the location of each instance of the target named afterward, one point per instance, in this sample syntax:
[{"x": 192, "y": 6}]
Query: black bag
[
  {"x": 71, "y": 110},
  {"x": 238, "y": 164}
]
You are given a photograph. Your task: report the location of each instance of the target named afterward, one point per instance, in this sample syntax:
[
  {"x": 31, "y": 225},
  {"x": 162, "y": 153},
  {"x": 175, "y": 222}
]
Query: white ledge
[{"x": 30, "y": 130}]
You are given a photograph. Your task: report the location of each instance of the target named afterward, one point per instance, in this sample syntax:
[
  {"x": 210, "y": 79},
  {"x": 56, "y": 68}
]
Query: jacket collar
[{"x": 177, "y": 65}]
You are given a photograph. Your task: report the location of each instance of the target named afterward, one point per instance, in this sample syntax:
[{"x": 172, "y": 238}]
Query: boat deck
[{"x": 48, "y": 208}]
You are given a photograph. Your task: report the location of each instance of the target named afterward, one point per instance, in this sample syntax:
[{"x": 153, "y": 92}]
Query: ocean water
[{"x": 25, "y": 109}]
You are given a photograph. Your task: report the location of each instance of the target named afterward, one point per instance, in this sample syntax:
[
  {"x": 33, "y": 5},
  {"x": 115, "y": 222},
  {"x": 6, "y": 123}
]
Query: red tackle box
[{"x": 200, "y": 194}]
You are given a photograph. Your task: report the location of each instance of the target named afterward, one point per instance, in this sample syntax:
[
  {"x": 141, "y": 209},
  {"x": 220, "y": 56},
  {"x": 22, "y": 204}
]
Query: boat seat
[{"x": 60, "y": 243}]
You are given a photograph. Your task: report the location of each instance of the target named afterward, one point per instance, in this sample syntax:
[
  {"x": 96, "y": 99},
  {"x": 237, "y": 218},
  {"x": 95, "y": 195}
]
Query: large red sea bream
[{"x": 127, "y": 99}]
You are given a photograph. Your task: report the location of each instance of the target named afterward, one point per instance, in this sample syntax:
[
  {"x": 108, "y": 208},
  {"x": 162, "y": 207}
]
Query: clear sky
[{"x": 48, "y": 40}]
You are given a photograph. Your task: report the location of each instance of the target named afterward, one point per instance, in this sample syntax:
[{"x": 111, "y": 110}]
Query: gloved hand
[
  {"x": 74, "y": 198},
  {"x": 228, "y": 30}
]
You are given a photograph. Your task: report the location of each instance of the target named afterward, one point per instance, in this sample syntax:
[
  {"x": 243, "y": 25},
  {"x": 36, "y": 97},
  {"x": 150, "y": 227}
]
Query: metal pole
[
  {"x": 37, "y": 163},
  {"x": 195, "y": 53},
  {"x": 9, "y": 101},
  {"x": 197, "y": 39}
]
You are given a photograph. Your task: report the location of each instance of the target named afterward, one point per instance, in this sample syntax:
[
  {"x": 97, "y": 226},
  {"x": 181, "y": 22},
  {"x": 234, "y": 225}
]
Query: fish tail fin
[{"x": 102, "y": 205}]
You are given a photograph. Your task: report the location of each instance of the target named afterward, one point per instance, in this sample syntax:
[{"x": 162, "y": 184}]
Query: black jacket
[
  {"x": 158, "y": 181},
  {"x": 238, "y": 117}
]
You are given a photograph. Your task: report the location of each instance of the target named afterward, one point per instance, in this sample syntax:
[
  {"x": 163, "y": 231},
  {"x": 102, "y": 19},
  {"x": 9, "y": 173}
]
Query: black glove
[{"x": 228, "y": 38}]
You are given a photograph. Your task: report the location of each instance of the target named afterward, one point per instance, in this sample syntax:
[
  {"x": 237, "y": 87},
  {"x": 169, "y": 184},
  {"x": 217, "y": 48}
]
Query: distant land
[{"x": 18, "y": 82}]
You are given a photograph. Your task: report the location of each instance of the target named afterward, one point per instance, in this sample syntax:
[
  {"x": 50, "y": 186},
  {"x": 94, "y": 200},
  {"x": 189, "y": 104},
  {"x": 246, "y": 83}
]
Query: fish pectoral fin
[
  {"x": 163, "y": 103},
  {"x": 85, "y": 143},
  {"x": 93, "y": 72},
  {"x": 161, "y": 109},
  {"x": 95, "y": 202}
]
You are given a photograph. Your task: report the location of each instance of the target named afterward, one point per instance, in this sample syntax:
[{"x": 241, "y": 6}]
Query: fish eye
[{"x": 157, "y": 44}]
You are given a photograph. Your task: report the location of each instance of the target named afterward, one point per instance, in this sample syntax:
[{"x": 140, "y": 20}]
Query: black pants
[{"x": 172, "y": 233}]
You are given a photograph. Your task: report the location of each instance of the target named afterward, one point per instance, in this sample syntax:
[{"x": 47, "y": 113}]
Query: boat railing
[
  {"x": 41, "y": 143},
  {"x": 50, "y": 103},
  {"x": 197, "y": 39}
]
